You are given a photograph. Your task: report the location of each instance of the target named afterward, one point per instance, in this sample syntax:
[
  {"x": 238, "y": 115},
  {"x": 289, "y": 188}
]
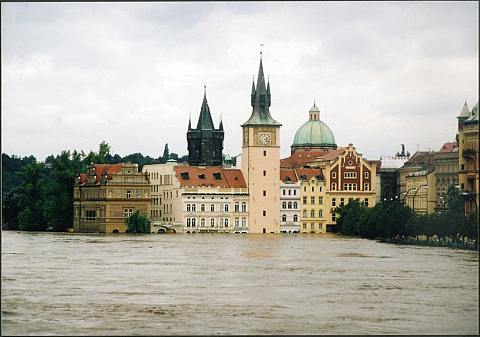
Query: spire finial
[
  {"x": 465, "y": 99},
  {"x": 205, "y": 87},
  {"x": 261, "y": 45},
  {"x": 220, "y": 117}
]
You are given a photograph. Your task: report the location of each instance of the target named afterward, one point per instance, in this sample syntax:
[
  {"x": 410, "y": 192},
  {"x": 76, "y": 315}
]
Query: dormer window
[
  {"x": 185, "y": 175},
  {"x": 288, "y": 179},
  {"x": 201, "y": 176},
  {"x": 217, "y": 176},
  {"x": 304, "y": 177},
  {"x": 235, "y": 178}
]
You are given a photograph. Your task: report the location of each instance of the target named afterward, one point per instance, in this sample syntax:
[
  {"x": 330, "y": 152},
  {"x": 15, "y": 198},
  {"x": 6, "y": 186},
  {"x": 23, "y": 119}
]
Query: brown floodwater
[{"x": 192, "y": 284}]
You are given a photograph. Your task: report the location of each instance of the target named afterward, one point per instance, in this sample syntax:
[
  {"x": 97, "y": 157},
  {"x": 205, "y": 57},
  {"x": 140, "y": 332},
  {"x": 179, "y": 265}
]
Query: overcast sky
[{"x": 382, "y": 73}]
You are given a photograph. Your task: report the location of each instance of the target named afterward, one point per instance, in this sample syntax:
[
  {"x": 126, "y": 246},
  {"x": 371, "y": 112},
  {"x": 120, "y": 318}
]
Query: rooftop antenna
[{"x": 418, "y": 145}]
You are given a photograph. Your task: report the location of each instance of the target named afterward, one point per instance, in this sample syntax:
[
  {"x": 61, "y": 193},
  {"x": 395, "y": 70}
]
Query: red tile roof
[
  {"x": 300, "y": 158},
  {"x": 288, "y": 172},
  {"x": 309, "y": 173},
  {"x": 448, "y": 147},
  {"x": 204, "y": 176}
]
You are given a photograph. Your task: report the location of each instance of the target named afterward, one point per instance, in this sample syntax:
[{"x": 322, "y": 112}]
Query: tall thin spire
[{"x": 205, "y": 121}]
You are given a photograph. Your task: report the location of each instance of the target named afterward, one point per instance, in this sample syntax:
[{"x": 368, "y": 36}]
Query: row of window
[
  {"x": 342, "y": 201},
  {"x": 290, "y": 192},
  {"x": 312, "y": 200},
  {"x": 284, "y": 217},
  {"x": 349, "y": 175},
  {"x": 312, "y": 213},
  {"x": 289, "y": 205},
  {"x": 312, "y": 226},
  {"x": 222, "y": 207},
  {"x": 222, "y": 222},
  {"x": 313, "y": 188}
]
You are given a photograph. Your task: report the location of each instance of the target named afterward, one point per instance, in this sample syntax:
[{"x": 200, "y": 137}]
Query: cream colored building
[
  {"x": 314, "y": 208},
  {"x": 421, "y": 184},
  {"x": 213, "y": 199},
  {"x": 106, "y": 195},
  {"x": 166, "y": 204},
  {"x": 261, "y": 161}
]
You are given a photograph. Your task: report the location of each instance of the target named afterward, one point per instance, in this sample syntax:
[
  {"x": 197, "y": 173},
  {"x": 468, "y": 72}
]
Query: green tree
[
  {"x": 31, "y": 198},
  {"x": 454, "y": 200},
  {"x": 349, "y": 215},
  {"x": 60, "y": 189},
  {"x": 137, "y": 223},
  {"x": 166, "y": 153}
]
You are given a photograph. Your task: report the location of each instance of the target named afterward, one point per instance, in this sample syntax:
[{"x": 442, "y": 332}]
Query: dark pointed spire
[
  {"x": 269, "y": 97},
  {"x": 190, "y": 121},
  {"x": 261, "y": 102},
  {"x": 220, "y": 126},
  {"x": 253, "y": 92},
  {"x": 205, "y": 121}
]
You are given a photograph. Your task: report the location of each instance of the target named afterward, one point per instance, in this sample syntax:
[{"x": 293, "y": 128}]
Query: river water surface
[{"x": 191, "y": 284}]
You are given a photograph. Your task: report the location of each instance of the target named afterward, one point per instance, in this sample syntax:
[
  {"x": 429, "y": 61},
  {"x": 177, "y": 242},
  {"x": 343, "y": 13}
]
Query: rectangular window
[
  {"x": 304, "y": 189},
  {"x": 354, "y": 187},
  {"x": 312, "y": 200},
  {"x": 313, "y": 188},
  {"x": 366, "y": 175},
  {"x": 312, "y": 226},
  {"x": 345, "y": 186},
  {"x": 312, "y": 213},
  {"x": 305, "y": 226},
  {"x": 283, "y": 192},
  {"x": 304, "y": 200},
  {"x": 333, "y": 217},
  {"x": 366, "y": 202},
  {"x": 264, "y": 153},
  {"x": 334, "y": 187},
  {"x": 334, "y": 175},
  {"x": 289, "y": 192},
  {"x": 264, "y": 213},
  {"x": 334, "y": 202},
  {"x": 264, "y": 173},
  {"x": 320, "y": 200},
  {"x": 366, "y": 187},
  {"x": 342, "y": 201},
  {"x": 128, "y": 195},
  {"x": 320, "y": 213},
  {"x": 320, "y": 226},
  {"x": 264, "y": 193},
  {"x": 294, "y": 192}
]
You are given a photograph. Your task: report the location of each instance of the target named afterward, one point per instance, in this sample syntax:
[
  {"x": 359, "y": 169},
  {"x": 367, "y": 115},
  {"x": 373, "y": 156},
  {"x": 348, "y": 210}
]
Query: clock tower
[{"x": 261, "y": 160}]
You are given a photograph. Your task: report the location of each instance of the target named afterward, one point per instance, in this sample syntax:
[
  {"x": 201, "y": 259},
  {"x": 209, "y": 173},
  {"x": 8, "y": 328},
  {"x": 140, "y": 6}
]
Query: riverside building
[{"x": 106, "y": 195}]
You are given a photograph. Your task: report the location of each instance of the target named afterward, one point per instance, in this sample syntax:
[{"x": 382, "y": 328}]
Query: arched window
[
  {"x": 237, "y": 206},
  {"x": 284, "y": 218},
  {"x": 202, "y": 208},
  {"x": 194, "y": 222},
  {"x": 244, "y": 206},
  {"x": 244, "y": 222},
  {"x": 221, "y": 207},
  {"x": 295, "y": 217},
  {"x": 304, "y": 213},
  {"x": 212, "y": 222},
  {"x": 194, "y": 207},
  {"x": 202, "y": 222},
  {"x": 188, "y": 222},
  {"x": 189, "y": 207},
  {"x": 289, "y": 205},
  {"x": 237, "y": 222},
  {"x": 221, "y": 222},
  {"x": 212, "y": 208},
  {"x": 226, "y": 222},
  {"x": 284, "y": 205},
  {"x": 226, "y": 207},
  {"x": 312, "y": 213},
  {"x": 295, "y": 205}
]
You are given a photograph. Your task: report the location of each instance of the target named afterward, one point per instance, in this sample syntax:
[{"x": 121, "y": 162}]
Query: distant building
[
  {"x": 289, "y": 201},
  {"x": 261, "y": 160},
  {"x": 421, "y": 185},
  {"x": 415, "y": 163},
  {"x": 106, "y": 195},
  {"x": 468, "y": 157},
  {"x": 446, "y": 173},
  {"x": 389, "y": 170},
  {"x": 314, "y": 134},
  {"x": 205, "y": 143},
  {"x": 339, "y": 175}
]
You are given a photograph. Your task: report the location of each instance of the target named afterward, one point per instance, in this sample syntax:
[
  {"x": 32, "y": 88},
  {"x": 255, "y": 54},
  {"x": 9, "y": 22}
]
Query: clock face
[{"x": 264, "y": 139}]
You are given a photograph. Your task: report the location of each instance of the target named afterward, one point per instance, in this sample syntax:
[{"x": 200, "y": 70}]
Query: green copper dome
[{"x": 314, "y": 132}]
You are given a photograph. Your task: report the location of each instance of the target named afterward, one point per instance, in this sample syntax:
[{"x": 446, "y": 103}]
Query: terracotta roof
[
  {"x": 309, "y": 173},
  {"x": 419, "y": 158},
  {"x": 378, "y": 163},
  {"x": 288, "y": 172},
  {"x": 448, "y": 147},
  {"x": 300, "y": 158},
  {"x": 213, "y": 176}
]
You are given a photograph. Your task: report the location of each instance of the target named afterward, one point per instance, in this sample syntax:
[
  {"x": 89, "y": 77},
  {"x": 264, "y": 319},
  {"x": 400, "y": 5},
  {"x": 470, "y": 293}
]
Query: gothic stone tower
[
  {"x": 205, "y": 143},
  {"x": 261, "y": 161}
]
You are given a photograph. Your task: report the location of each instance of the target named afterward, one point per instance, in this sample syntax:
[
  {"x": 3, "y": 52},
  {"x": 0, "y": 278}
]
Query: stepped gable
[{"x": 205, "y": 176}]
